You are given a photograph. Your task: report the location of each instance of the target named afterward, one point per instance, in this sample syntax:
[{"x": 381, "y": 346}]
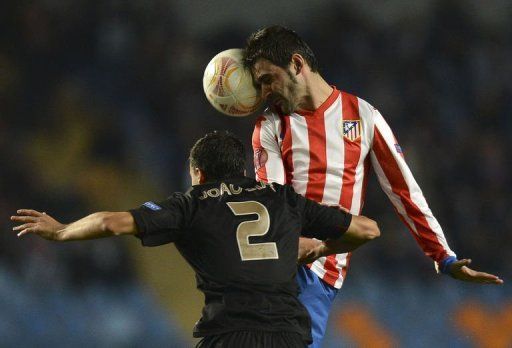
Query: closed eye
[{"x": 264, "y": 79}]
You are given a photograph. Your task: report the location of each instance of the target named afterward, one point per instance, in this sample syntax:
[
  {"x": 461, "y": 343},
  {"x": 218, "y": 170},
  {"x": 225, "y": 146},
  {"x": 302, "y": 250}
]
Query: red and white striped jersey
[{"x": 326, "y": 156}]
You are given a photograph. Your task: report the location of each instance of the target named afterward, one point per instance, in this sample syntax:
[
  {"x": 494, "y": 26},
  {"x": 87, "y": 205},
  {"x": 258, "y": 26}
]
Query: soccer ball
[{"x": 228, "y": 84}]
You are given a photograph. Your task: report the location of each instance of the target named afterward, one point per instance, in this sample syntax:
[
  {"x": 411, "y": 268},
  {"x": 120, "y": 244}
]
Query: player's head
[
  {"x": 278, "y": 44},
  {"x": 277, "y": 58},
  {"x": 218, "y": 155}
]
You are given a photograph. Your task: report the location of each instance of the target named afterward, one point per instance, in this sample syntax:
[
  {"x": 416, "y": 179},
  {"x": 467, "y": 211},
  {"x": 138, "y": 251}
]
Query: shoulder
[
  {"x": 267, "y": 127},
  {"x": 179, "y": 200},
  {"x": 268, "y": 117},
  {"x": 179, "y": 196},
  {"x": 367, "y": 112}
]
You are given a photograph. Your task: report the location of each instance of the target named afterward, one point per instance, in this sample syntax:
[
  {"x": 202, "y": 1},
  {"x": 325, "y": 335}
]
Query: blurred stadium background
[{"x": 101, "y": 100}]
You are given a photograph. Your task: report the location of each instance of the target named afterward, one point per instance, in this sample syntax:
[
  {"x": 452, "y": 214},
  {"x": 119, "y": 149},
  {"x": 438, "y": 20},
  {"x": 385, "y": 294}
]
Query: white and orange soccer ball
[{"x": 228, "y": 84}]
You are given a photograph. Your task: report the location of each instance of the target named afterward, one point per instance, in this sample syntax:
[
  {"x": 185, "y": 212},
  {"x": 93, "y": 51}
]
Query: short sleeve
[
  {"x": 163, "y": 222},
  {"x": 319, "y": 221}
]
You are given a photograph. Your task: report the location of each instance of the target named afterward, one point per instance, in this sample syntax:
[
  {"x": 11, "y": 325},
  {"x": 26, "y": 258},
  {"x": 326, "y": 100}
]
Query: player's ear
[
  {"x": 197, "y": 176},
  {"x": 201, "y": 175},
  {"x": 297, "y": 63}
]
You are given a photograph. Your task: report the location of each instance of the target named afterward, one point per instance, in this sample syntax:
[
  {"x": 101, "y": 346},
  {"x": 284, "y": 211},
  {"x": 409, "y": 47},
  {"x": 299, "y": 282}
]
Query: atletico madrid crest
[{"x": 352, "y": 129}]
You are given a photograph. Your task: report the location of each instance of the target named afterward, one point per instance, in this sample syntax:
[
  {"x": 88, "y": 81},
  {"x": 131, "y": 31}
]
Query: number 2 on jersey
[{"x": 258, "y": 227}]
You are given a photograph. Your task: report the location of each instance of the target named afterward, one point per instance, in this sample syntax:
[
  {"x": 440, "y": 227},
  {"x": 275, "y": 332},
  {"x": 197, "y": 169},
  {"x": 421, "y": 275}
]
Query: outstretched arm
[
  {"x": 97, "y": 225},
  {"x": 404, "y": 192},
  {"x": 360, "y": 231}
]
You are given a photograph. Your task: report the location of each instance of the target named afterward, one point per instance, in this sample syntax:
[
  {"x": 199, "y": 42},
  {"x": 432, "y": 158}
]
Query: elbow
[
  {"x": 108, "y": 224},
  {"x": 116, "y": 224},
  {"x": 370, "y": 230}
]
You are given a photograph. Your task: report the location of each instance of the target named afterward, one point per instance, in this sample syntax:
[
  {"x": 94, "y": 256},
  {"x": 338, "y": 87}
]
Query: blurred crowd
[{"x": 101, "y": 100}]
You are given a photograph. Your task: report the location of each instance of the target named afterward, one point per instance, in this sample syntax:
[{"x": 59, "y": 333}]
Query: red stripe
[
  {"x": 317, "y": 157},
  {"x": 287, "y": 152},
  {"x": 331, "y": 272},
  {"x": 261, "y": 172},
  {"x": 350, "y": 107},
  {"x": 427, "y": 238}
]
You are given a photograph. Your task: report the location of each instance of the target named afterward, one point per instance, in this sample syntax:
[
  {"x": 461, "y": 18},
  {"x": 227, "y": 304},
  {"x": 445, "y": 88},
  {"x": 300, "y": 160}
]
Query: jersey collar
[{"x": 324, "y": 106}]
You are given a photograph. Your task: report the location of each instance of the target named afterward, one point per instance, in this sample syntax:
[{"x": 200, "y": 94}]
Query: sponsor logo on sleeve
[
  {"x": 260, "y": 158},
  {"x": 152, "y": 206}
]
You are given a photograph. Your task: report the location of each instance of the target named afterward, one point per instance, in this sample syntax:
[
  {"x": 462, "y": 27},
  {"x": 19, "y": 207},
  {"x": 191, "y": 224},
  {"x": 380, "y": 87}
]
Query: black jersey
[{"x": 241, "y": 238}]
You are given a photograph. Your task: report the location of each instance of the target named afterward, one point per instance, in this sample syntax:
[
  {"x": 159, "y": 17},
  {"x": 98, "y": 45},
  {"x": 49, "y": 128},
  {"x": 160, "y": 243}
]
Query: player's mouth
[{"x": 272, "y": 99}]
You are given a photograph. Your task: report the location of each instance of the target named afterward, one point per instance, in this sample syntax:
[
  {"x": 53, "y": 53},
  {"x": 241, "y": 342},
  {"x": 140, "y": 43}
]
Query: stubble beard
[{"x": 289, "y": 103}]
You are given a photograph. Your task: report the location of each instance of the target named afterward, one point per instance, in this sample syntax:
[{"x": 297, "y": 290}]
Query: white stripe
[
  {"x": 275, "y": 173},
  {"x": 357, "y": 192},
  {"x": 274, "y": 166},
  {"x": 300, "y": 153},
  {"x": 342, "y": 262},
  {"x": 394, "y": 198},
  {"x": 318, "y": 267},
  {"x": 335, "y": 153}
]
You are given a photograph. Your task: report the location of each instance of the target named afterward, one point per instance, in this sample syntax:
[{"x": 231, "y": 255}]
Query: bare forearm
[
  {"x": 97, "y": 225},
  {"x": 312, "y": 249},
  {"x": 90, "y": 227},
  {"x": 360, "y": 231}
]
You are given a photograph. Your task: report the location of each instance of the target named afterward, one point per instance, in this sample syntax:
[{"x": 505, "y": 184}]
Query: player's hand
[
  {"x": 309, "y": 250},
  {"x": 460, "y": 270},
  {"x": 32, "y": 221}
]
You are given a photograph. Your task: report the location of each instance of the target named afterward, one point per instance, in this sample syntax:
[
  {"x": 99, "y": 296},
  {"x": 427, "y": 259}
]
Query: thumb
[{"x": 464, "y": 262}]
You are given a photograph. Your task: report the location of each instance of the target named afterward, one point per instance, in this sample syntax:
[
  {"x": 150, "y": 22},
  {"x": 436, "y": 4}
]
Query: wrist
[
  {"x": 445, "y": 265},
  {"x": 60, "y": 234},
  {"x": 322, "y": 250}
]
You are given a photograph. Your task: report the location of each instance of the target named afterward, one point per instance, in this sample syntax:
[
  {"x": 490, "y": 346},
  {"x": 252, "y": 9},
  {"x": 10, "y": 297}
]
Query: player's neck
[{"x": 317, "y": 90}]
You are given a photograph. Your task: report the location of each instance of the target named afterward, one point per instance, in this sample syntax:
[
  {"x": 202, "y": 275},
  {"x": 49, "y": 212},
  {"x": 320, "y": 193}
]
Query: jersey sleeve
[
  {"x": 163, "y": 222},
  {"x": 319, "y": 221},
  {"x": 268, "y": 162},
  {"x": 399, "y": 185}
]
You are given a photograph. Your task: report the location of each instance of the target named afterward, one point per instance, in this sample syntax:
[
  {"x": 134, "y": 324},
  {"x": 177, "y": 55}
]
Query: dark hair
[
  {"x": 220, "y": 155},
  {"x": 277, "y": 44}
]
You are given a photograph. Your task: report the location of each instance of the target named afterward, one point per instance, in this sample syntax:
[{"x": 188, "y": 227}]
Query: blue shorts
[{"x": 317, "y": 296}]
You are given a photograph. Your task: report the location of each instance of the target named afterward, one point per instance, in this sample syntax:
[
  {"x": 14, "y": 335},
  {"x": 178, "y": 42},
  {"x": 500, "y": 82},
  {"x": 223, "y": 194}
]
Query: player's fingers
[
  {"x": 487, "y": 277},
  {"x": 25, "y": 231},
  {"x": 29, "y": 212},
  {"x": 494, "y": 281},
  {"x": 343, "y": 208},
  {"x": 490, "y": 280},
  {"x": 463, "y": 262},
  {"x": 482, "y": 277},
  {"x": 23, "y": 218},
  {"x": 22, "y": 227}
]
